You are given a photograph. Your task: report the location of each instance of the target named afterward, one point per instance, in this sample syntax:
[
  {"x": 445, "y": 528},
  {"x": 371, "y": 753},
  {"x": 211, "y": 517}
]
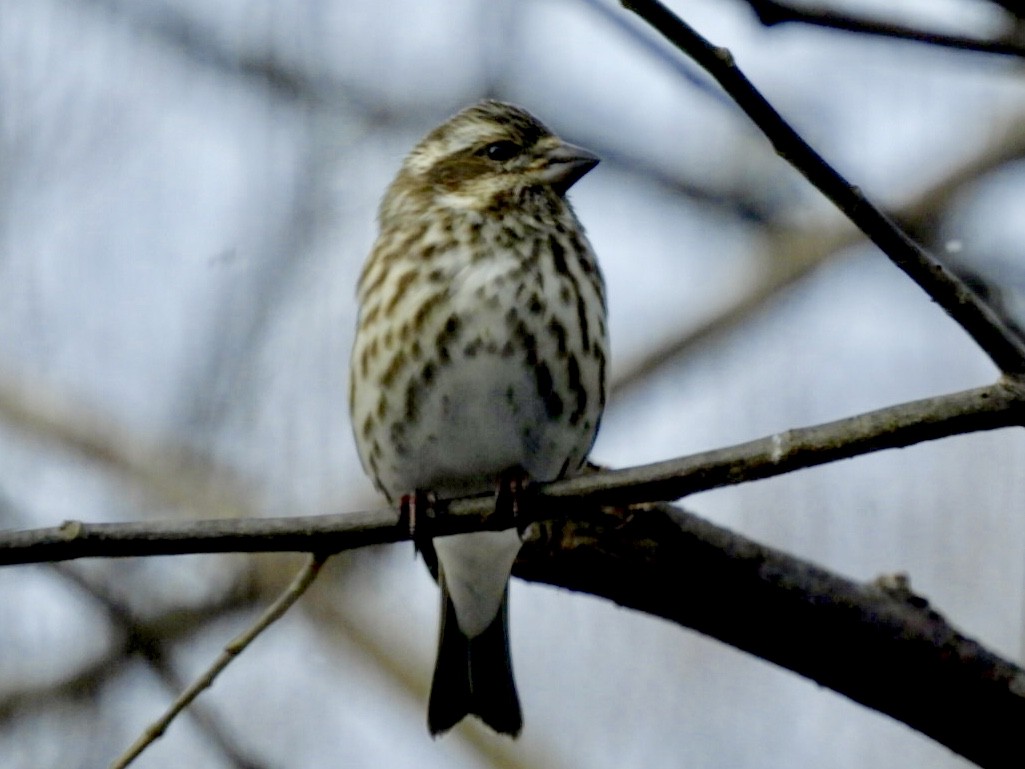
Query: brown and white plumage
[{"x": 480, "y": 349}]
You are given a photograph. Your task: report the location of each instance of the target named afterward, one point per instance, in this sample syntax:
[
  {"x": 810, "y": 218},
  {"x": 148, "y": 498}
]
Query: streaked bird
[{"x": 479, "y": 363}]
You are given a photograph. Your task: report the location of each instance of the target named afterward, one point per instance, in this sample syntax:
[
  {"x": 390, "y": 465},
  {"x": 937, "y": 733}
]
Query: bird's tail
[{"x": 474, "y": 675}]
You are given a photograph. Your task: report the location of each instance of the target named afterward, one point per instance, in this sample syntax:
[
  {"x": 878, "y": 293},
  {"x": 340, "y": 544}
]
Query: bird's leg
[
  {"x": 514, "y": 498},
  {"x": 416, "y": 510}
]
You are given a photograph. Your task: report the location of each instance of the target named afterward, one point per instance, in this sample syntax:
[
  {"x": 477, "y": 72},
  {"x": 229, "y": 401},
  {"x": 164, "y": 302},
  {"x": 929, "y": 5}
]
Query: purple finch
[{"x": 480, "y": 357}]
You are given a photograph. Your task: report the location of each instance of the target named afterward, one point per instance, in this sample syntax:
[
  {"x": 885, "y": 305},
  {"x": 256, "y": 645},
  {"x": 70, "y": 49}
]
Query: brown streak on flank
[
  {"x": 396, "y": 242},
  {"x": 585, "y": 334},
  {"x": 594, "y": 278},
  {"x": 404, "y": 281},
  {"x": 425, "y": 309},
  {"x": 371, "y": 315},
  {"x": 364, "y": 363},
  {"x": 411, "y": 398},
  {"x": 565, "y": 295},
  {"x": 546, "y": 389},
  {"x": 558, "y": 257},
  {"x": 375, "y": 286},
  {"x": 577, "y": 386},
  {"x": 578, "y": 248},
  {"x": 559, "y": 332},
  {"x": 535, "y": 254},
  {"x": 450, "y": 331},
  {"x": 396, "y": 365}
]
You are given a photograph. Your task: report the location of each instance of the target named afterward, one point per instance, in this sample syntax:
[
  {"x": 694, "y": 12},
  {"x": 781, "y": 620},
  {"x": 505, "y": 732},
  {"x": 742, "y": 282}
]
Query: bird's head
[{"x": 486, "y": 156}]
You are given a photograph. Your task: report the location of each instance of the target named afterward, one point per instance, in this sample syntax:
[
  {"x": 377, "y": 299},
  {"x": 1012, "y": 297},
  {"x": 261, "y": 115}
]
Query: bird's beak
[{"x": 565, "y": 165}]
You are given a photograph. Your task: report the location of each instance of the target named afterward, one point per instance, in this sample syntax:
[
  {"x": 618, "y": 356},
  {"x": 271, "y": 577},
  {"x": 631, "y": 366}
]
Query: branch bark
[
  {"x": 877, "y": 644},
  {"x": 888, "y": 652},
  {"x": 985, "y": 408}
]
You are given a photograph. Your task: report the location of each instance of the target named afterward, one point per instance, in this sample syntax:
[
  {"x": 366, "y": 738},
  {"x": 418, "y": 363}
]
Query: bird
[{"x": 479, "y": 363}]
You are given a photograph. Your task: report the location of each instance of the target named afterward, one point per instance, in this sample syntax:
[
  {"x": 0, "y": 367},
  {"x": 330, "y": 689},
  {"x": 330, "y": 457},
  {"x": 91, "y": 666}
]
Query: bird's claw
[
  {"x": 417, "y": 510},
  {"x": 513, "y": 499}
]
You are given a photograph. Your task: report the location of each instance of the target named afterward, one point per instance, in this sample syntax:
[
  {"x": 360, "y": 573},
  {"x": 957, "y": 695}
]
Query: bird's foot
[
  {"x": 516, "y": 492},
  {"x": 417, "y": 511}
]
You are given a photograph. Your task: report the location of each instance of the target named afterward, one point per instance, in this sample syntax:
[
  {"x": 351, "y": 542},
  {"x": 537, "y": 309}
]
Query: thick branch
[
  {"x": 884, "y": 648},
  {"x": 985, "y": 408},
  {"x": 951, "y": 293}
]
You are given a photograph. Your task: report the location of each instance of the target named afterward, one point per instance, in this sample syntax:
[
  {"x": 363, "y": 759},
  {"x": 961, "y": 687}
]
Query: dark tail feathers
[{"x": 474, "y": 676}]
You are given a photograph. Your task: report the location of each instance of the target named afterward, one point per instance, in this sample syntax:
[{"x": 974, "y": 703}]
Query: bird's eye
[{"x": 501, "y": 151}]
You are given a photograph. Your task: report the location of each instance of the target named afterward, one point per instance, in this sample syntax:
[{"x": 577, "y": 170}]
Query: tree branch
[
  {"x": 897, "y": 657},
  {"x": 771, "y": 13},
  {"x": 878, "y": 644},
  {"x": 985, "y": 408},
  {"x": 951, "y": 293}
]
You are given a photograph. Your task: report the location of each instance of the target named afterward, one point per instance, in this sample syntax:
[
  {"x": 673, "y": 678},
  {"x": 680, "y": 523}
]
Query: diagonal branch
[
  {"x": 951, "y": 293},
  {"x": 985, "y": 408}
]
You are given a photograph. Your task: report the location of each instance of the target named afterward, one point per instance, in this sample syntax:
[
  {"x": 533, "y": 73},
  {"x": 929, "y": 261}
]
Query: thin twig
[
  {"x": 985, "y": 408},
  {"x": 771, "y": 12},
  {"x": 951, "y": 293},
  {"x": 234, "y": 647}
]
